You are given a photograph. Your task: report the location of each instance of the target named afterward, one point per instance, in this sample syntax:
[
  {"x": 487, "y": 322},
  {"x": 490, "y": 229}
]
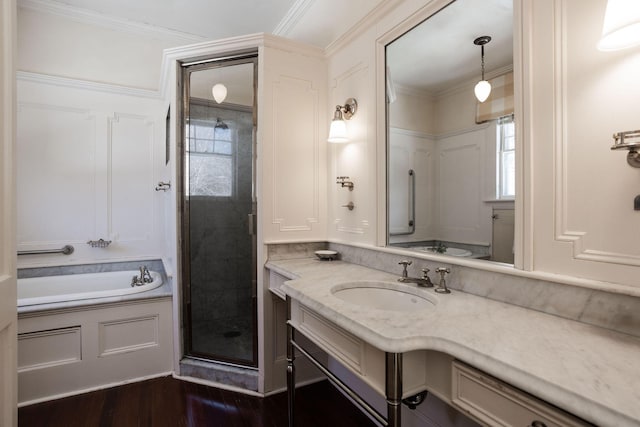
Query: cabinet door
[{"x": 497, "y": 404}]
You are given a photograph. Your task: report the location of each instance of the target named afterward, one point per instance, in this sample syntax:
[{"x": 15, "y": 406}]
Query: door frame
[
  {"x": 184, "y": 69},
  {"x": 8, "y": 298}
]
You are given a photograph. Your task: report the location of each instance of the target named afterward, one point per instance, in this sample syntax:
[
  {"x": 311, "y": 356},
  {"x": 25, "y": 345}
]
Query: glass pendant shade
[
  {"x": 621, "y": 27},
  {"x": 482, "y": 90},
  {"x": 219, "y": 92}
]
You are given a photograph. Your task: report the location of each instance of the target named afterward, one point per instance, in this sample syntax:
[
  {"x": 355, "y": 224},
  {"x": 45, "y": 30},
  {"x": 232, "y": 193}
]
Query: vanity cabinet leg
[
  {"x": 393, "y": 381},
  {"x": 291, "y": 369}
]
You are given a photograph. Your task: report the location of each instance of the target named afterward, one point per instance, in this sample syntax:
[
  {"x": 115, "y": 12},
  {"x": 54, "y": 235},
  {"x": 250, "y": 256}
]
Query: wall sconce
[
  {"x": 621, "y": 27},
  {"x": 219, "y": 92},
  {"x": 483, "y": 87},
  {"x": 620, "y": 142},
  {"x": 338, "y": 130}
]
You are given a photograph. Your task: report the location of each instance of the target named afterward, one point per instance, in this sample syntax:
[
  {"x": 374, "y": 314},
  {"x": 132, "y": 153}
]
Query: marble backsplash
[
  {"x": 153, "y": 265},
  {"x": 595, "y": 307}
]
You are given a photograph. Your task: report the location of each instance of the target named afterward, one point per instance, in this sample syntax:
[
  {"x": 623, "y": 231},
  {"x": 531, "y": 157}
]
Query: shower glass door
[{"x": 218, "y": 211}]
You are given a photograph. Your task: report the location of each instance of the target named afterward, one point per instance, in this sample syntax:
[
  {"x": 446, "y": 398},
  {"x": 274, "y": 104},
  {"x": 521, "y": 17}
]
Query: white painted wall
[
  {"x": 57, "y": 45},
  {"x": 582, "y": 199}
]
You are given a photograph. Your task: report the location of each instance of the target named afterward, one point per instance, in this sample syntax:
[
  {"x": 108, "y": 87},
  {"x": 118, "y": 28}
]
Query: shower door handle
[{"x": 252, "y": 224}]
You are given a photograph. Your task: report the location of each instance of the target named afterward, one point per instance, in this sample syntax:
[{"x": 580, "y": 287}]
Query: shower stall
[{"x": 218, "y": 207}]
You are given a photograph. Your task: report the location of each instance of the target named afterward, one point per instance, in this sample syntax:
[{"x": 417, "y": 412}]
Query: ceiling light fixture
[
  {"x": 219, "y": 92},
  {"x": 621, "y": 27},
  {"x": 483, "y": 87},
  {"x": 338, "y": 130}
]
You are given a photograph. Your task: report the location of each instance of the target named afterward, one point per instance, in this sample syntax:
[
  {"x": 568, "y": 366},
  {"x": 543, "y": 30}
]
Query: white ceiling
[{"x": 210, "y": 19}]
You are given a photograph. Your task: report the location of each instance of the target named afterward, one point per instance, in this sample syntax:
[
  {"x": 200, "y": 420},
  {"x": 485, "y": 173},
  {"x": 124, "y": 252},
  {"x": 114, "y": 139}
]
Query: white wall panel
[
  {"x": 291, "y": 108},
  {"x": 462, "y": 214},
  {"x": 296, "y": 160},
  {"x": 130, "y": 168},
  {"x": 416, "y": 151},
  {"x": 88, "y": 162},
  {"x": 56, "y": 169},
  {"x": 583, "y": 201}
]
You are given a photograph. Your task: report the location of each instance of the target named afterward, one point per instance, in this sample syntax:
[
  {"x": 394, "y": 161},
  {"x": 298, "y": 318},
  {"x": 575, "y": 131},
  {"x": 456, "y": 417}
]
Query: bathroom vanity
[{"x": 498, "y": 363}]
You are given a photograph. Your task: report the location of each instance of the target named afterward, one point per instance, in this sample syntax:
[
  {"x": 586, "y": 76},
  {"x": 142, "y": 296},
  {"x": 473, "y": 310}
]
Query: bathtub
[{"x": 73, "y": 287}]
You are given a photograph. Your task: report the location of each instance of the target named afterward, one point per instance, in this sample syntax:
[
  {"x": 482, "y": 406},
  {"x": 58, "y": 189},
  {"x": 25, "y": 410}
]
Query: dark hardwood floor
[{"x": 170, "y": 402}]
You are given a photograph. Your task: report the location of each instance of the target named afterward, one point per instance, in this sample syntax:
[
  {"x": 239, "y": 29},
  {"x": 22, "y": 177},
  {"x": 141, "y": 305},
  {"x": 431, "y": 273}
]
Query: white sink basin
[
  {"x": 448, "y": 251},
  {"x": 384, "y": 296}
]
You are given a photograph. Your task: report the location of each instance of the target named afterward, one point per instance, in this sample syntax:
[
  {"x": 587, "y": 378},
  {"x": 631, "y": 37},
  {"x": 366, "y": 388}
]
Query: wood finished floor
[{"x": 169, "y": 402}]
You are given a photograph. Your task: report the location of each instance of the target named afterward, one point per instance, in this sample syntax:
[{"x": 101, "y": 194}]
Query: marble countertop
[{"x": 589, "y": 371}]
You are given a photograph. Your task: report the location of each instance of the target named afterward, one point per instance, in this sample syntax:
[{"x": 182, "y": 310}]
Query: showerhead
[{"x": 220, "y": 124}]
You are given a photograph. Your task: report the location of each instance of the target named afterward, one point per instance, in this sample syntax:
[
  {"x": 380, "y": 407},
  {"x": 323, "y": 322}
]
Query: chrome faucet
[
  {"x": 145, "y": 277},
  {"x": 423, "y": 281},
  {"x": 442, "y": 286}
]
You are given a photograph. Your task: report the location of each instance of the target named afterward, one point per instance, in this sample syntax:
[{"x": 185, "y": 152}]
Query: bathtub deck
[{"x": 170, "y": 402}]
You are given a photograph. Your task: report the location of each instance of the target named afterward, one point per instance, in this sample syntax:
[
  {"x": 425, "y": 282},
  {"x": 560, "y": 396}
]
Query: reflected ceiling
[{"x": 448, "y": 43}]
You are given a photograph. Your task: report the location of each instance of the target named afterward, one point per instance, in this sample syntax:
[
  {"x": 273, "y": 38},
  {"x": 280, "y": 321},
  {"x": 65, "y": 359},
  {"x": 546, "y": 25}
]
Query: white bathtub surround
[
  {"x": 586, "y": 370},
  {"x": 83, "y": 301},
  {"x": 94, "y": 339},
  {"x": 52, "y": 289},
  {"x": 103, "y": 267}
]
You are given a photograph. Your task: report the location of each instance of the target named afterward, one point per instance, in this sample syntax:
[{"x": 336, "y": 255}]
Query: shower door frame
[{"x": 183, "y": 72}]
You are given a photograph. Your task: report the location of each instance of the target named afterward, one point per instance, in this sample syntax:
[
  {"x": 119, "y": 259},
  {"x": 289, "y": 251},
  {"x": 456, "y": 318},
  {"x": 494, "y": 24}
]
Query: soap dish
[{"x": 326, "y": 255}]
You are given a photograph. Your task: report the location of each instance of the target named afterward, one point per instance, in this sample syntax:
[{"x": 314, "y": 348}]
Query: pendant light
[
  {"x": 219, "y": 92},
  {"x": 483, "y": 87}
]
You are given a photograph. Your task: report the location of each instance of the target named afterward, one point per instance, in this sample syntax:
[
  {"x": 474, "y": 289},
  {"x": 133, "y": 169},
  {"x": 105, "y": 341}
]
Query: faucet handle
[
  {"x": 404, "y": 263},
  {"x": 442, "y": 288},
  {"x": 443, "y": 271}
]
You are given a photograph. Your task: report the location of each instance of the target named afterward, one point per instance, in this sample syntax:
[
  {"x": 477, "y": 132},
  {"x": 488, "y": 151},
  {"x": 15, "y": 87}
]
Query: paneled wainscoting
[{"x": 170, "y": 402}]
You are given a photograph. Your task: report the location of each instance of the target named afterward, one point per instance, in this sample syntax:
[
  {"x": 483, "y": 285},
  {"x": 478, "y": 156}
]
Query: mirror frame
[{"x": 523, "y": 218}]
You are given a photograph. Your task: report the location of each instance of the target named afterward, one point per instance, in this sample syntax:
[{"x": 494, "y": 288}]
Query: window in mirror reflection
[{"x": 506, "y": 177}]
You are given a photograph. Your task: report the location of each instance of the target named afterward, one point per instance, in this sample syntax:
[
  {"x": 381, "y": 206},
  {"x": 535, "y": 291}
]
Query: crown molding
[
  {"x": 86, "y": 16},
  {"x": 293, "y": 16},
  {"x": 369, "y": 20},
  {"x": 86, "y": 85},
  {"x": 213, "y": 48}
]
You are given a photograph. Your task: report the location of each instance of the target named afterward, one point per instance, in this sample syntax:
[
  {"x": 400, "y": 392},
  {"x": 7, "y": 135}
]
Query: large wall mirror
[{"x": 451, "y": 158}]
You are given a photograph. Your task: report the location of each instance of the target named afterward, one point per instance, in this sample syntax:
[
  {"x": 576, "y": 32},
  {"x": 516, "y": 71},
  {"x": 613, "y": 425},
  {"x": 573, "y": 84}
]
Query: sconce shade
[
  {"x": 621, "y": 27},
  {"x": 482, "y": 90},
  {"x": 219, "y": 92},
  {"x": 338, "y": 130}
]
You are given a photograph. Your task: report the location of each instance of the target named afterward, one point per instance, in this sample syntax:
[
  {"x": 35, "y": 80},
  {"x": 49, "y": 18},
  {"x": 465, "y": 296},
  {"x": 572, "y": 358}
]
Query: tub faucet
[
  {"x": 145, "y": 277},
  {"x": 423, "y": 281}
]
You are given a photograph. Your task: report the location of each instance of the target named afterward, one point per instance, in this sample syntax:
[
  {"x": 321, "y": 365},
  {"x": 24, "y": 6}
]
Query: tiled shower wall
[{"x": 220, "y": 246}]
